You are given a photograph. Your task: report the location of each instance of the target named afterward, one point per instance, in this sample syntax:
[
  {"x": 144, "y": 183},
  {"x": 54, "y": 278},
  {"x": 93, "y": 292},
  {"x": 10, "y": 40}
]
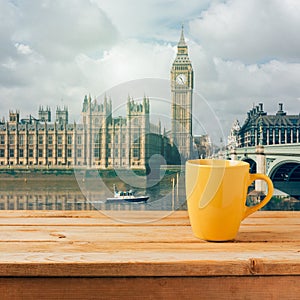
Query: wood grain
[
  {"x": 61, "y": 254},
  {"x": 204, "y": 288}
]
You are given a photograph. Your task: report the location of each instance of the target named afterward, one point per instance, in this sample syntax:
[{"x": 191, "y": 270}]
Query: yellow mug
[{"x": 216, "y": 193}]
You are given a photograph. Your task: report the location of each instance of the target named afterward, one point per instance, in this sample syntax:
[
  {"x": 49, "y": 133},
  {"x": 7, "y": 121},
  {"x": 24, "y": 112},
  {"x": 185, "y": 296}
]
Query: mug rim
[{"x": 217, "y": 163}]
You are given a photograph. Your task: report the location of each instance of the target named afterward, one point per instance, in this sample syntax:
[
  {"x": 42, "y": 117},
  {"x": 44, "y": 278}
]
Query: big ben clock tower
[{"x": 182, "y": 94}]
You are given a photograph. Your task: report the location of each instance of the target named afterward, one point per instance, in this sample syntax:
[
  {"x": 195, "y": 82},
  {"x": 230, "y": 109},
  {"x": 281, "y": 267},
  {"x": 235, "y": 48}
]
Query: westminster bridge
[{"x": 280, "y": 162}]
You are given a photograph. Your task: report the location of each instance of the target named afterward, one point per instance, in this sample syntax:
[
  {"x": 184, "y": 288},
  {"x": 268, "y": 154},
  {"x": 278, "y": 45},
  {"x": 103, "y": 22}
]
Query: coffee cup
[{"x": 216, "y": 192}]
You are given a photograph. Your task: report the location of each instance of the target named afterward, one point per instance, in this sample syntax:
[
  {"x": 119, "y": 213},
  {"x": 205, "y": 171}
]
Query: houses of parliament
[{"x": 102, "y": 140}]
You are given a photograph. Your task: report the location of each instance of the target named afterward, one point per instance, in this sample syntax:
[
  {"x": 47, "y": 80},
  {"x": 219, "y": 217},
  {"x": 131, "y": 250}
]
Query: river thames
[
  {"x": 76, "y": 192},
  {"x": 88, "y": 192}
]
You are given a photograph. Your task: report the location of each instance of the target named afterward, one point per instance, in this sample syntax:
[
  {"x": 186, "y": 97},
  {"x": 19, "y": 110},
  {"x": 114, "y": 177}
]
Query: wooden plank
[
  {"x": 83, "y": 221},
  {"x": 91, "y": 214},
  {"x": 221, "y": 288},
  {"x": 192, "y": 249},
  {"x": 131, "y": 214},
  {"x": 141, "y": 234},
  {"x": 47, "y": 265},
  {"x": 89, "y": 245},
  {"x": 85, "y": 218},
  {"x": 132, "y": 259},
  {"x": 90, "y": 221},
  {"x": 137, "y": 218}
]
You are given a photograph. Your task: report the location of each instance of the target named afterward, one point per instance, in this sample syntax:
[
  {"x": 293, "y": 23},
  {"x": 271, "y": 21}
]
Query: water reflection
[
  {"x": 63, "y": 193},
  {"x": 43, "y": 201}
]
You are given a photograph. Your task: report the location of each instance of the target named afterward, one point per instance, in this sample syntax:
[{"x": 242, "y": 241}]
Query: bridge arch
[
  {"x": 286, "y": 176},
  {"x": 251, "y": 162}
]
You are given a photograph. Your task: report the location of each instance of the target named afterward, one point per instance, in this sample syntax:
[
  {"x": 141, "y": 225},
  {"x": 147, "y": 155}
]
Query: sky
[{"x": 54, "y": 52}]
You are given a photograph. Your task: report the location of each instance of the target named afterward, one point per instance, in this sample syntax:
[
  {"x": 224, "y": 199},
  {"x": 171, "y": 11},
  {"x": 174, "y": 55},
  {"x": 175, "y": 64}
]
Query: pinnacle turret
[{"x": 181, "y": 42}]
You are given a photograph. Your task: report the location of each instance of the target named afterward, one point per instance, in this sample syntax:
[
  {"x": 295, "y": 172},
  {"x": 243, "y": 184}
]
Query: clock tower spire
[
  {"x": 182, "y": 83},
  {"x": 182, "y": 40}
]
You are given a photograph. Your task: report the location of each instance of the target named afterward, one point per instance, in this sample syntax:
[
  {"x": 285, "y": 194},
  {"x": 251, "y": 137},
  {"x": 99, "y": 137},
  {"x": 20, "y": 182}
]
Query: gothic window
[
  {"x": 40, "y": 152},
  {"x": 135, "y": 137},
  {"x": 96, "y": 152},
  {"x": 50, "y": 139},
  {"x": 116, "y": 153},
  {"x": 2, "y": 139},
  {"x": 69, "y": 139},
  {"x": 30, "y": 153},
  {"x": 79, "y": 139},
  {"x": 79, "y": 153},
  {"x": 109, "y": 138},
  {"x": 11, "y": 139},
  {"x": 282, "y": 136},
  {"x": 30, "y": 139},
  {"x": 276, "y": 136},
  {"x": 21, "y": 139},
  {"x": 294, "y": 136},
  {"x": 69, "y": 152},
  {"x": 96, "y": 121},
  {"x": 2, "y": 152},
  {"x": 136, "y": 152},
  {"x": 96, "y": 138},
  {"x": 11, "y": 152},
  {"x": 59, "y": 152},
  {"x": 49, "y": 152},
  {"x": 21, "y": 153},
  {"x": 288, "y": 135},
  {"x": 270, "y": 135},
  {"x": 40, "y": 140},
  {"x": 59, "y": 139}
]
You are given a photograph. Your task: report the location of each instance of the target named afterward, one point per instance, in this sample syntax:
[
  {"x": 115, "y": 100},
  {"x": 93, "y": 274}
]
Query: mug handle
[{"x": 251, "y": 209}]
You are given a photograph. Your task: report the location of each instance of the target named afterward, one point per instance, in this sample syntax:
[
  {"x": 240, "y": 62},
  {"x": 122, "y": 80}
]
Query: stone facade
[
  {"x": 260, "y": 128},
  {"x": 120, "y": 142},
  {"x": 101, "y": 140},
  {"x": 33, "y": 142},
  {"x": 182, "y": 83}
]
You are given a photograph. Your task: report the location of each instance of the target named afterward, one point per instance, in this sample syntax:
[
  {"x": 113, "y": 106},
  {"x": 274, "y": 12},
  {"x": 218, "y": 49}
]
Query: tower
[
  {"x": 14, "y": 117},
  {"x": 45, "y": 114},
  {"x": 138, "y": 123},
  {"x": 62, "y": 115},
  {"x": 182, "y": 94}
]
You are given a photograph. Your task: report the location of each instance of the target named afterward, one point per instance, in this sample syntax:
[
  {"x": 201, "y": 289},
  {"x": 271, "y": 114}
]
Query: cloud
[
  {"x": 126, "y": 61},
  {"x": 243, "y": 52},
  {"x": 249, "y": 53},
  {"x": 250, "y": 31},
  {"x": 151, "y": 19},
  {"x": 42, "y": 40},
  {"x": 60, "y": 29},
  {"x": 241, "y": 86},
  {"x": 7, "y": 28},
  {"x": 23, "y": 49}
]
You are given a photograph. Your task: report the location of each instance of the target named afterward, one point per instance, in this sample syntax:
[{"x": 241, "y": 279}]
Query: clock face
[{"x": 181, "y": 79}]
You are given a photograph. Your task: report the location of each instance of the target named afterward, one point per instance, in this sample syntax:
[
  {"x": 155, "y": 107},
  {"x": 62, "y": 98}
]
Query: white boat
[{"x": 126, "y": 196}]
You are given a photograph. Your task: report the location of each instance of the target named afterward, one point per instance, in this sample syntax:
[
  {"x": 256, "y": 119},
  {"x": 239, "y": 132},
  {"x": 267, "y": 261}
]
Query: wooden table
[{"x": 87, "y": 255}]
